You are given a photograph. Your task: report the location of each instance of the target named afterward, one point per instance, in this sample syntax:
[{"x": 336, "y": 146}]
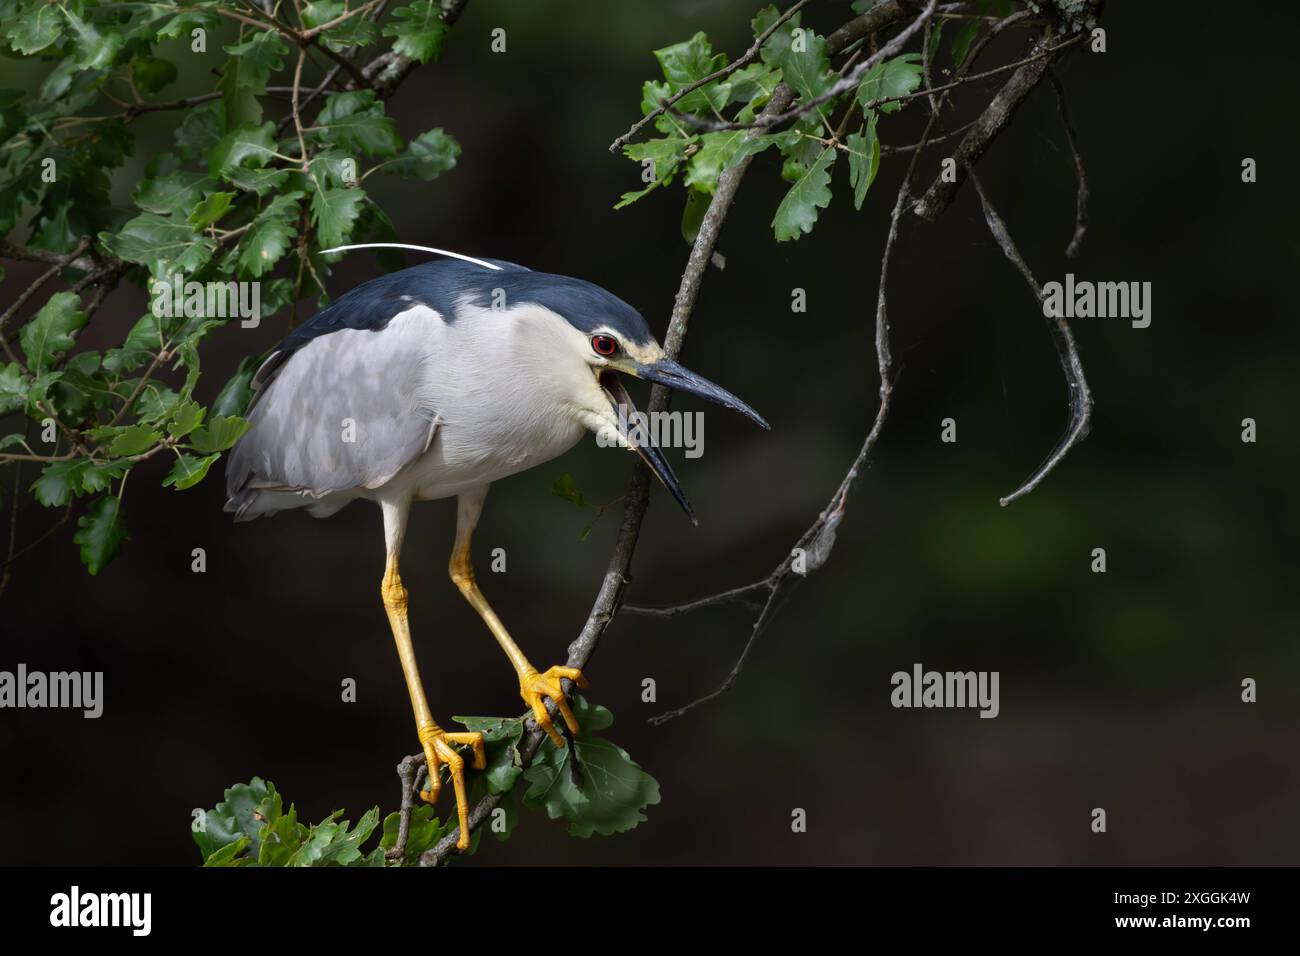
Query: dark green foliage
[
  {"x": 593, "y": 785},
  {"x": 232, "y": 202},
  {"x": 809, "y": 146}
]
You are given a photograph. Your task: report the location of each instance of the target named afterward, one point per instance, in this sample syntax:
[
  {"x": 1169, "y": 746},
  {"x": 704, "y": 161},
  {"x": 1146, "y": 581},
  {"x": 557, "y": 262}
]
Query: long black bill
[
  {"x": 635, "y": 436},
  {"x": 669, "y": 373}
]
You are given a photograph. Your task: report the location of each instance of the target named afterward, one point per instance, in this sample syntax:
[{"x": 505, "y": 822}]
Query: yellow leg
[
  {"x": 438, "y": 744},
  {"x": 534, "y": 688}
]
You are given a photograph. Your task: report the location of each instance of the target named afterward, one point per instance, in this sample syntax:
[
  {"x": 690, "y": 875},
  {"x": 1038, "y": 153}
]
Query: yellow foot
[
  {"x": 440, "y": 748},
  {"x": 534, "y": 688}
]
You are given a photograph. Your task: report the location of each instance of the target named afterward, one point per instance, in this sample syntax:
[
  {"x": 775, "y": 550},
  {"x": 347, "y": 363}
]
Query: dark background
[{"x": 1118, "y": 690}]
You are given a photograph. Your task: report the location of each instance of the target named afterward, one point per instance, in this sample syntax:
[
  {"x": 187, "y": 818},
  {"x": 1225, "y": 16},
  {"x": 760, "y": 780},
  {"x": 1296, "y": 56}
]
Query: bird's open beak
[
  {"x": 639, "y": 442},
  {"x": 669, "y": 373}
]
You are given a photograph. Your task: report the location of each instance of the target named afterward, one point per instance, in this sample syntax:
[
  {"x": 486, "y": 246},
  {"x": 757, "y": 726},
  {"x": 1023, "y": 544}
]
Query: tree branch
[
  {"x": 992, "y": 121},
  {"x": 1081, "y": 196},
  {"x": 1080, "y": 396}
]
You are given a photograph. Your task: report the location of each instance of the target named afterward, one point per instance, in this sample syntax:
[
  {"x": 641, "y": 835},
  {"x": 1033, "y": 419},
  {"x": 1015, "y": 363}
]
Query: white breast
[{"x": 502, "y": 385}]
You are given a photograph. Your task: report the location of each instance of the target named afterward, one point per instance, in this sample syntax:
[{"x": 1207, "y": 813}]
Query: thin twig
[
  {"x": 734, "y": 596},
  {"x": 1081, "y": 196}
]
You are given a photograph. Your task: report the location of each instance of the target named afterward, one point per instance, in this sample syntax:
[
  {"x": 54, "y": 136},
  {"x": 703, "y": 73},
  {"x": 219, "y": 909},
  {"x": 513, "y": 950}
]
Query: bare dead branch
[
  {"x": 992, "y": 121},
  {"x": 1080, "y": 396},
  {"x": 1081, "y": 196}
]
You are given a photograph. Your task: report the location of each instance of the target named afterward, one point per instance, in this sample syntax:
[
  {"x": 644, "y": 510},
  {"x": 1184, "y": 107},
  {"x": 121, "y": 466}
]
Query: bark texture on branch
[{"x": 992, "y": 121}]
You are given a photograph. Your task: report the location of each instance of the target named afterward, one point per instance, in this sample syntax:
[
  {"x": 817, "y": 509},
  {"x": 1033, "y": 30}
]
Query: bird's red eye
[{"x": 604, "y": 345}]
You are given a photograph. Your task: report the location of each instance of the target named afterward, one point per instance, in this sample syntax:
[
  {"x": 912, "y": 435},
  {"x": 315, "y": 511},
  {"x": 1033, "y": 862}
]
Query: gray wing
[{"x": 342, "y": 412}]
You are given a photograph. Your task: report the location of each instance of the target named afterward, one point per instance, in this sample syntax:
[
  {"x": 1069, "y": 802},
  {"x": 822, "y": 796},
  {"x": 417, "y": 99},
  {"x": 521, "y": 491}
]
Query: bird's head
[{"x": 611, "y": 340}]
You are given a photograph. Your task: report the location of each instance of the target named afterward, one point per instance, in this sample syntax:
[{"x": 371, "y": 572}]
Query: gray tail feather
[
  {"x": 241, "y": 502},
  {"x": 252, "y": 502}
]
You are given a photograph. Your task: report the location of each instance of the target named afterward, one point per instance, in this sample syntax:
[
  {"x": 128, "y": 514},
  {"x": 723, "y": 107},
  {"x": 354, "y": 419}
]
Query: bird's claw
[
  {"x": 440, "y": 748},
  {"x": 535, "y": 688}
]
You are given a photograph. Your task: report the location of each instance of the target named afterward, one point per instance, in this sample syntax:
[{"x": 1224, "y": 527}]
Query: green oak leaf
[
  {"x": 260, "y": 181},
  {"x": 133, "y": 440},
  {"x": 605, "y": 793},
  {"x": 60, "y": 482},
  {"x": 426, "y": 830},
  {"x": 961, "y": 45},
  {"x": 183, "y": 24},
  {"x": 249, "y": 145},
  {"x": 864, "y": 160},
  {"x": 501, "y": 736},
  {"x": 753, "y": 145},
  {"x": 335, "y": 212},
  {"x": 152, "y": 74},
  {"x": 35, "y": 29},
  {"x": 664, "y": 154},
  {"x": 221, "y": 432},
  {"x": 50, "y": 333},
  {"x": 95, "y": 50},
  {"x": 102, "y": 533},
  {"x": 164, "y": 245},
  {"x": 188, "y": 471},
  {"x": 235, "y": 395},
  {"x": 420, "y": 31},
  {"x": 156, "y": 403},
  {"x": 357, "y": 31},
  {"x": 210, "y": 209},
  {"x": 187, "y": 417},
  {"x": 173, "y": 193},
  {"x": 697, "y": 204},
  {"x": 98, "y": 478},
  {"x": 233, "y": 818},
  {"x": 897, "y": 77},
  {"x": 201, "y": 130},
  {"x": 714, "y": 155},
  {"x": 797, "y": 213},
  {"x": 230, "y": 855},
  {"x": 330, "y": 842},
  {"x": 269, "y": 237},
  {"x": 13, "y": 388},
  {"x": 427, "y": 156},
  {"x": 688, "y": 62},
  {"x": 806, "y": 68},
  {"x": 257, "y": 58},
  {"x": 356, "y": 121}
]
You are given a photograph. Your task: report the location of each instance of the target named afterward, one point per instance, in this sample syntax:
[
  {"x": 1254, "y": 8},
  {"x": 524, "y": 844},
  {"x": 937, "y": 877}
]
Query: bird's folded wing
[{"x": 341, "y": 413}]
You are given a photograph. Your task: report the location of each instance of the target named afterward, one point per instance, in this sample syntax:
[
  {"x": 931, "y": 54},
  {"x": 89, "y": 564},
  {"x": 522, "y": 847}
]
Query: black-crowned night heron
[{"x": 434, "y": 382}]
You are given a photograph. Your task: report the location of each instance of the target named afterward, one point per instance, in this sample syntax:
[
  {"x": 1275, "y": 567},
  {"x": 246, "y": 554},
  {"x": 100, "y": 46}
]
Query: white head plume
[{"x": 402, "y": 245}]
